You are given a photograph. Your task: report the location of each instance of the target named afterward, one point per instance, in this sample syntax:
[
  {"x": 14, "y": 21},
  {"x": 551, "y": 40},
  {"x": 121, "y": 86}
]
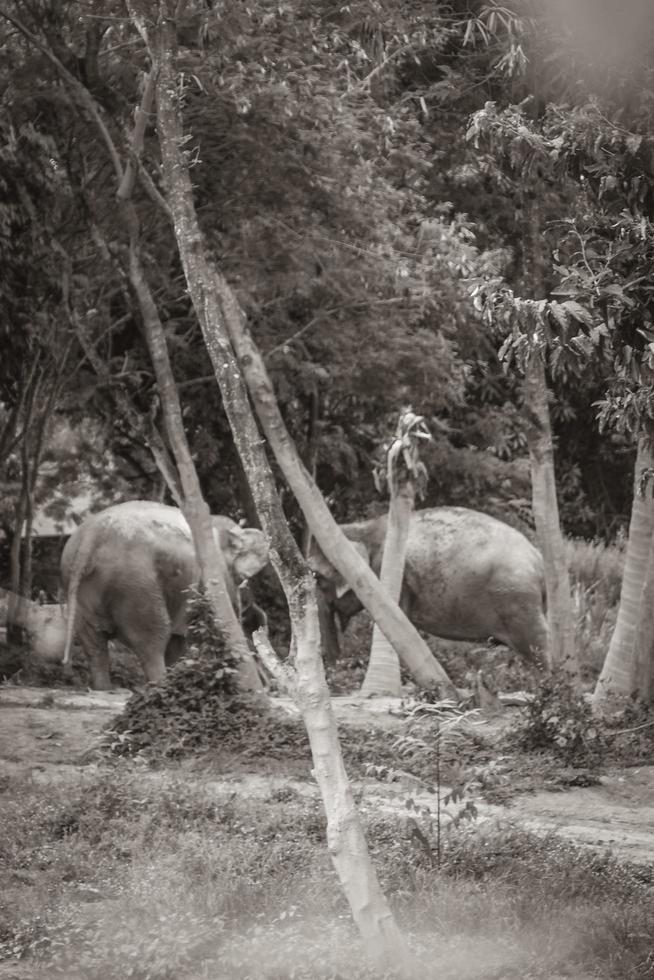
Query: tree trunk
[
  {"x": 338, "y": 550},
  {"x": 346, "y": 839},
  {"x": 383, "y": 673},
  {"x": 546, "y": 515},
  {"x": 644, "y": 638},
  {"x": 619, "y": 674},
  {"x": 15, "y": 602},
  {"x": 313, "y": 445},
  {"x": 152, "y": 438},
  {"x": 213, "y": 570}
]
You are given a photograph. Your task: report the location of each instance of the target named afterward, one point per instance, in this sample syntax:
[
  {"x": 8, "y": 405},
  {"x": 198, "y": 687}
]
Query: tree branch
[{"x": 141, "y": 116}]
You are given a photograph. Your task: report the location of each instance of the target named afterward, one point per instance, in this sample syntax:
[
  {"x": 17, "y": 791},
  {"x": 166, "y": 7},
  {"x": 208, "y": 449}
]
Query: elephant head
[{"x": 245, "y": 548}]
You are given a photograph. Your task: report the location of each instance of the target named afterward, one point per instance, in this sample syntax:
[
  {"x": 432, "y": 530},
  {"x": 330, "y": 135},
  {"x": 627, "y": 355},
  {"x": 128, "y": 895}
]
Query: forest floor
[
  {"x": 49, "y": 736},
  {"x": 69, "y": 884}
]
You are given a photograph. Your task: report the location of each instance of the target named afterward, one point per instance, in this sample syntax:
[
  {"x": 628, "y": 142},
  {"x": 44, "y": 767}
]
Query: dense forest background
[{"x": 356, "y": 210}]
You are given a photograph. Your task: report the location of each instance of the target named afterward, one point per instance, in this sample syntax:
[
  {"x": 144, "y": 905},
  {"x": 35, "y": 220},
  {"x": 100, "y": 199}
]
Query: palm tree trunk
[
  {"x": 546, "y": 516},
  {"x": 383, "y": 673},
  {"x": 619, "y": 674}
]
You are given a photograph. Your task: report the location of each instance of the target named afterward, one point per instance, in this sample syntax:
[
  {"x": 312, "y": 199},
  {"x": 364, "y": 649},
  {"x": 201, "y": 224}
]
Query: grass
[
  {"x": 155, "y": 874},
  {"x": 596, "y": 577},
  {"x": 159, "y": 878}
]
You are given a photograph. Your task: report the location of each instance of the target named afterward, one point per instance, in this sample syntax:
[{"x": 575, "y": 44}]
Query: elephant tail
[{"x": 78, "y": 569}]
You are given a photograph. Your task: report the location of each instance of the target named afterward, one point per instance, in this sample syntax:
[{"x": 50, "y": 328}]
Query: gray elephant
[
  {"x": 468, "y": 576},
  {"x": 125, "y": 571}
]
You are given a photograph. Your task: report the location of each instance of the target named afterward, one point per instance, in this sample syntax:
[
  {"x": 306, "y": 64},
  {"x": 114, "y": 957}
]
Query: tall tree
[{"x": 210, "y": 295}]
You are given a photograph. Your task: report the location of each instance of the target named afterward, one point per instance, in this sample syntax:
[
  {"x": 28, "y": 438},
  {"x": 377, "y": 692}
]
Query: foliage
[
  {"x": 206, "y": 643},
  {"x": 445, "y": 723},
  {"x": 560, "y": 720},
  {"x": 348, "y": 271},
  {"x": 195, "y": 708}
]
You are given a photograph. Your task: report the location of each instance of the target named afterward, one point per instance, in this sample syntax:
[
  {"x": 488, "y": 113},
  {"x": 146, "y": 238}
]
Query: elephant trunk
[{"x": 331, "y": 647}]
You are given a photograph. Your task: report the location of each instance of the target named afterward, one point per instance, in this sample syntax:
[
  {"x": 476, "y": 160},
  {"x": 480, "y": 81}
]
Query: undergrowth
[
  {"x": 559, "y": 719},
  {"x": 134, "y": 876}
]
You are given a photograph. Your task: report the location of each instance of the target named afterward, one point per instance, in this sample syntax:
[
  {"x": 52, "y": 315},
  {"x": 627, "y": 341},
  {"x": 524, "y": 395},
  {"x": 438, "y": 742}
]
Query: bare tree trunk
[
  {"x": 313, "y": 443},
  {"x": 152, "y": 438},
  {"x": 546, "y": 515},
  {"x": 213, "y": 569},
  {"x": 14, "y": 628},
  {"x": 383, "y": 673},
  {"x": 32, "y": 466},
  {"x": 338, "y": 550},
  {"x": 346, "y": 840},
  {"x": 644, "y": 638},
  {"x": 619, "y": 674}
]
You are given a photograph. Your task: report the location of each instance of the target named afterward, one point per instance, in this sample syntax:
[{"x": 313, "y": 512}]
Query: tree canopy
[{"x": 340, "y": 191}]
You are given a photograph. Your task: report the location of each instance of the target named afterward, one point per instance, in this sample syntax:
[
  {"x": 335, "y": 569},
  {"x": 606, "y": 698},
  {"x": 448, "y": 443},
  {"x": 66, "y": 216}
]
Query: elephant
[
  {"x": 125, "y": 572},
  {"x": 468, "y": 576}
]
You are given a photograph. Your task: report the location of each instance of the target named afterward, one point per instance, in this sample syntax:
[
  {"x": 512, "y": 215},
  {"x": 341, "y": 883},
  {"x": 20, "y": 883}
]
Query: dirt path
[{"x": 49, "y": 735}]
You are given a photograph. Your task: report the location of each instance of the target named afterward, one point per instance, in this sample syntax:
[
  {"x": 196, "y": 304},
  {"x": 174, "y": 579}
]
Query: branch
[
  {"x": 362, "y": 304},
  {"x": 153, "y": 192},
  {"x": 283, "y": 674},
  {"x": 142, "y": 113},
  {"x": 375, "y": 71}
]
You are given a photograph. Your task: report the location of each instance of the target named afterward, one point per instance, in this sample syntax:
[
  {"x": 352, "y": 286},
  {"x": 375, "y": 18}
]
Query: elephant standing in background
[
  {"x": 125, "y": 572},
  {"x": 468, "y": 576}
]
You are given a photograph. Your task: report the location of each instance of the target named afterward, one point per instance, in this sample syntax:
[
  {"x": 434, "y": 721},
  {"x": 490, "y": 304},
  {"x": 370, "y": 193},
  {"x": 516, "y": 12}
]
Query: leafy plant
[
  {"x": 560, "y": 720},
  {"x": 206, "y": 641},
  {"x": 425, "y": 824}
]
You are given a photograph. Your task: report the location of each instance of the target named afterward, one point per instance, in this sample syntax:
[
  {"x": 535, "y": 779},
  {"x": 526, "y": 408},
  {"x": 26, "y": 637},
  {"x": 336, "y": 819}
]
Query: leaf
[
  {"x": 579, "y": 312},
  {"x": 633, "y": 143},
  {"x": 560, "y": 314}
]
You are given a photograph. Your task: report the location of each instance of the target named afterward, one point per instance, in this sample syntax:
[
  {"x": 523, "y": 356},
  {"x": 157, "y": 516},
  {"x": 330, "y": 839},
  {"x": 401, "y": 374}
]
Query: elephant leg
[
  {"x": 99, "y": 667},
  {"x": 149, "y": 641},
  {"x": 95, "y": 645},
  {"x": 143, "y": 624},
  {"x": 175, "y": 649}
]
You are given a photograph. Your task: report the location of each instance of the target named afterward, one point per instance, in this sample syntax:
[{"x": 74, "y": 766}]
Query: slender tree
[
  {"x": 346, "y": 840},
  {"x": 405, "y": 477},
  {"x": 628, "y": 664}
]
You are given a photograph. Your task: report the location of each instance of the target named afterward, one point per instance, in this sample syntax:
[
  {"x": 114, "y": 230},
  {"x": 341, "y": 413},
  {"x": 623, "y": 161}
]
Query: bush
[
  {"x": 194, "y": 709},
  {"x": 559, "y": 720}
]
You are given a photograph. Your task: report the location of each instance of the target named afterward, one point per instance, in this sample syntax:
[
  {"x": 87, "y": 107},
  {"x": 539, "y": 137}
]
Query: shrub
[{"x": 559, "y": 720}]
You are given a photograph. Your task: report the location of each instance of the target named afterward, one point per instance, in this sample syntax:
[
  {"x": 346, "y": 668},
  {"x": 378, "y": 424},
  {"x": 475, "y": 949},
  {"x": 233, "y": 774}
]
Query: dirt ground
[{"x": 49, "y": 735}]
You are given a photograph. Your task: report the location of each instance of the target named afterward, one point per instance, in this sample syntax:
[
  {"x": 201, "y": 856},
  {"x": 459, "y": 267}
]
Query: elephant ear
[{"x": 340, "y": 584}]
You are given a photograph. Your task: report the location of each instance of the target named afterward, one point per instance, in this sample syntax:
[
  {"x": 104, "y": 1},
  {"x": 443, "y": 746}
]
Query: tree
[
  {"x": 599, "y": 154},
  {"x": 211, "y": 294},
  {"x": 528, "y": 339},
  {"x": 405, "y": 477}
]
